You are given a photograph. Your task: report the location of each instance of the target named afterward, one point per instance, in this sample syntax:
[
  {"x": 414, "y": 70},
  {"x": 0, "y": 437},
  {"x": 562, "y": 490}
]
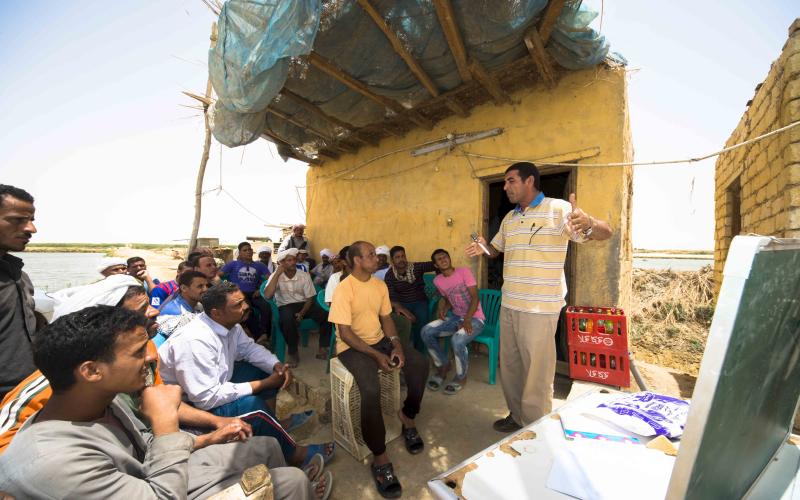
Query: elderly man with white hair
[
  {"x": 322, "y": 271},
  {"x": 296, "y": 299},
  {"x": 296, "y": 240}
]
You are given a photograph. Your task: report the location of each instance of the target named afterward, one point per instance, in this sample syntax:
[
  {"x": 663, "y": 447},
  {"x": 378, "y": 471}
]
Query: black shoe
[
  {"x": 386, "y": 482},
  {"x": 506, "y": 424}
]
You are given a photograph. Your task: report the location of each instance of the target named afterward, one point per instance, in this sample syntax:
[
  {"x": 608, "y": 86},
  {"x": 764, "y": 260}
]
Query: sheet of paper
[{"x": 598, "y": 470}]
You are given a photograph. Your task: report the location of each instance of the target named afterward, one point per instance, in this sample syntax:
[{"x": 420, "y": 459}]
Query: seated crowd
[{"x": 132, "y": 361}]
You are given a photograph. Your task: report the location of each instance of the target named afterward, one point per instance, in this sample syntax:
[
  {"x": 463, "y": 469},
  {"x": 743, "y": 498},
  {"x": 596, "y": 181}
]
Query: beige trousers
[{"x": 527, "y": 363}]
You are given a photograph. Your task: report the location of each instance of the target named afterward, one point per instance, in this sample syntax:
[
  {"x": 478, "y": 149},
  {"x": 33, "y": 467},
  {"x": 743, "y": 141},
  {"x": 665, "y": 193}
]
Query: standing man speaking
[{"x": 534, "y": 238}]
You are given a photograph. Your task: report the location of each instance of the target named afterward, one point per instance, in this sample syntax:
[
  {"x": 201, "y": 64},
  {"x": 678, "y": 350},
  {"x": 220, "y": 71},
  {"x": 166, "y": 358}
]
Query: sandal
[
  {"x": 325, "y": 450},
  {"x": 292, "y": 360},
  {"x": 452, "y": 388},
  {"x": 328, "y": 478},
  {"x": 386, "y": 482},
  {"x": 435, "y": 383},
  {"x": 414, "y": 443},
  {"x": 313, "y": 467},
  {"x": 297, "y": 420}
]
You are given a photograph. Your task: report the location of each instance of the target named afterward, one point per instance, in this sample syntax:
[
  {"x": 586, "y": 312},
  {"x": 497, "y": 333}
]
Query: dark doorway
[{"x": 556, "y": 185}]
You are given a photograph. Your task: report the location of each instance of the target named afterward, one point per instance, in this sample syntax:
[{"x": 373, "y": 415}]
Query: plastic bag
[{"x": 646, "y": 414}]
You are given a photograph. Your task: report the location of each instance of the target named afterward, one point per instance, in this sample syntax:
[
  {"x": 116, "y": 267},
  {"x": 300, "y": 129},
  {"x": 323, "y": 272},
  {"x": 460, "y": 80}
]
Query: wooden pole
[{"x": 201, "y": 172}]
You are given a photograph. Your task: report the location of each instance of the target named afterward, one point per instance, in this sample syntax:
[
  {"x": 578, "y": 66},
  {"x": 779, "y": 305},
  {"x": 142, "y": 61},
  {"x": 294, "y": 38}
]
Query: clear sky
[{"x": 93, "y": 123}]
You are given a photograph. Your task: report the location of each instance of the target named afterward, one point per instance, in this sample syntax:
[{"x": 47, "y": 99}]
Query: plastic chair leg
[
  {"x": 279, "y": 344},
  {"x": 331, "y": 349},
  {"x": 493, "y": 362}
]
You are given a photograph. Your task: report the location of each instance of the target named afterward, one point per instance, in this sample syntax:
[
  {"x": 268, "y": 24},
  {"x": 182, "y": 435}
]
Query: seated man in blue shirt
[
  {"x": 165, "y": 289},
  {"x": 248, "y": 275},
  {"x": 182, "y": 306}
]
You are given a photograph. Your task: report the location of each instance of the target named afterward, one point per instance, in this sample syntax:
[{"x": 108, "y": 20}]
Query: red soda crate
[
  {"x": 604, "y": 366},
  {"x": 597, "y": 327}
]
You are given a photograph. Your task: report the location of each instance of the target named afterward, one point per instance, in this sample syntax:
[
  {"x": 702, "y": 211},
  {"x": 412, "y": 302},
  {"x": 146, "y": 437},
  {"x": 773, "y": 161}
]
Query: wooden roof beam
[
  {"x": 335, "y": 72},
  {"x": 329, "y": 140},
  {"x": 489, "y": 82},
  {"x": 548, "y": 21},
  {"x": 314, "y": 109},
  {"x": 447, "y": 18},
  {"x": 399, "y": 48},
  {"x": 541, "y": 59},
  {"x": 456, "y": 107},
  {"x": 289, "y": 150}
]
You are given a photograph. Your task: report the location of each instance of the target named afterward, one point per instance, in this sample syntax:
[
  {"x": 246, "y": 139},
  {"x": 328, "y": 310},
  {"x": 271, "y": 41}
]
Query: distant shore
[{"x": 106, "y": 248}]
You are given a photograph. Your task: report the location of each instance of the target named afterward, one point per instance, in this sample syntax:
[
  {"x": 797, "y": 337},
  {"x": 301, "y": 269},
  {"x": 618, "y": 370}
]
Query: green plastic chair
[
  {"x": 308, "y": 324},
  {"x": 432, "y": 293},
  {"x": 303, "y": 328},
  {"x": 490, "y": 336},
  {"x": 326, "y": 308},
  {"x": 278, "y": 340}
]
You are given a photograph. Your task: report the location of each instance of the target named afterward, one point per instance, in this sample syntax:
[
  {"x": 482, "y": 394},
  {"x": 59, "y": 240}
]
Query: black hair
[
  {"x": 343, "y": 252},
  {"x": 526, "y": 169},
  {"x": 192, "y": 256},
  {"x": 183, "y": 265},
  {"x": 86, "y": 335},
  {"x": 438, "y": 251},
  {"x": 217, "y": 296},
  {"x": 132, "y": 291},
  {"x": 134, "y": 259},
  {"x": 244, "y": 244},
  {"x": 186, "y": 278},
  {"x": 353, "y": 251},
  {"x": 14, "y": 192},
  {"x": 395, "y": 249},
  {"x": 194, "y": 261}
]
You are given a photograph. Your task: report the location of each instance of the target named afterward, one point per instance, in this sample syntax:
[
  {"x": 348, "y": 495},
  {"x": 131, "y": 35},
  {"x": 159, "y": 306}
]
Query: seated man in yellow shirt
[{"x": 367, "y": 343}]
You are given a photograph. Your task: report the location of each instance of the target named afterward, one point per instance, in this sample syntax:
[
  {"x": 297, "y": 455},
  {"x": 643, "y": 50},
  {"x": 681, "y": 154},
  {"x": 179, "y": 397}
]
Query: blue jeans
[
  {"x": 460, "y": 339},
  {"x": 260, "y": 415}
]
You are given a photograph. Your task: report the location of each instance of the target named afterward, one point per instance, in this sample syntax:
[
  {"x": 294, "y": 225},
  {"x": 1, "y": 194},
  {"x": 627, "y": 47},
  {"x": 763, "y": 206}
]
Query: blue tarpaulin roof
[{"x": 261, "y": 45}]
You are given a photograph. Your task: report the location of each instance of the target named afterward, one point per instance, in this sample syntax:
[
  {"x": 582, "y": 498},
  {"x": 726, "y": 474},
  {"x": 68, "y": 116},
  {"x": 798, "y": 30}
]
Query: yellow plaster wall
[
  {"x": 384, "y": 195},
  {"x": 768, "y": 171}
]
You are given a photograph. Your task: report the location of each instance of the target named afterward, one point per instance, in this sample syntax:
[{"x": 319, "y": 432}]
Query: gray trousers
[
  {"x": 218, "y": 466},
  {"x": 527, "y": 363}
]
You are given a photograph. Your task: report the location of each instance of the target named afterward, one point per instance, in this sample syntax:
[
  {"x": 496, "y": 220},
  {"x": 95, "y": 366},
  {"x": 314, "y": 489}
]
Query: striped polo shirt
[{"x": 534, "y": 241}]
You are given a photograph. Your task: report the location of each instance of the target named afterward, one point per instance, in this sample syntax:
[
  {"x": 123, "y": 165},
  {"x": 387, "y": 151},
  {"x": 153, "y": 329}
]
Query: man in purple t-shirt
[
  {"x": 248, "y": 275},
  {"x": 460, "y": 317}
]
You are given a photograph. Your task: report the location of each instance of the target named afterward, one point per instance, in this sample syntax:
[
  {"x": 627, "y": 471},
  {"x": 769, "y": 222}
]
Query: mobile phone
[{"x": 474, "y": 237}]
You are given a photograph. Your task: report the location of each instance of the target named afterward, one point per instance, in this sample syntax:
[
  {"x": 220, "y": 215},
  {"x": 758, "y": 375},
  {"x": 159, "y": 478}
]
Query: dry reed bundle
[{"x": 670, "y": 315}]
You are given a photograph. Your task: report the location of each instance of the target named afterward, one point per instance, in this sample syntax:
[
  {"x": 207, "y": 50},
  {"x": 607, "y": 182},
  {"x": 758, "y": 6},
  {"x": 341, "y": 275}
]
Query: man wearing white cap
[
  {"x": 112, "y": 265},
  {"x": 265, "y": 257},
  {"x": 296, "y": 299},
  {"x": 296, "y": 240},
  {"x": 302, "y": 260},
  {"x": 383, "y": 261},
  {"x": 322, "y": 271}
]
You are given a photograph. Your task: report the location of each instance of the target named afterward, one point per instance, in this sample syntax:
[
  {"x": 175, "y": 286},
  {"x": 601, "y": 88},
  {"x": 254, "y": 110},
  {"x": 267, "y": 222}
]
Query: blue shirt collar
[{"x": 535, "y": 203}]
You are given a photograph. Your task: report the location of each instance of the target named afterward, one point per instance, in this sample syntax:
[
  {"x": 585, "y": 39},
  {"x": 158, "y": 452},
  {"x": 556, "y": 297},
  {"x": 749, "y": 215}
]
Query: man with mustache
[{"x": 17, "y": 322}]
